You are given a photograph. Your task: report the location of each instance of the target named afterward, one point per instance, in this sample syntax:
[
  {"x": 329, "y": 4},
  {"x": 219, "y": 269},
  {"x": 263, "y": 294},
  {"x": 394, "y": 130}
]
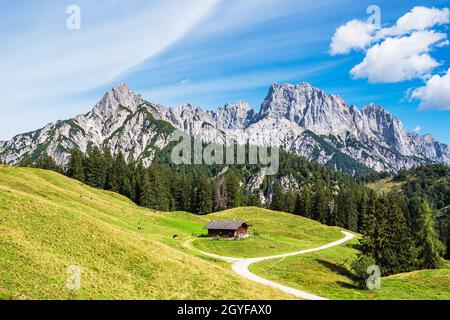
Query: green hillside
[
  {"x": 49, "y": 222},
  {"x": 327, "y": 273},
  {"x": 277, "y": 232}
]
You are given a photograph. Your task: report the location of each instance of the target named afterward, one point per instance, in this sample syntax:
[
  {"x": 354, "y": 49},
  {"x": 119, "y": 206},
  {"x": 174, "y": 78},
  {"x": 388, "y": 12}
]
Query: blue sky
[{"x": 206, "y": 52}]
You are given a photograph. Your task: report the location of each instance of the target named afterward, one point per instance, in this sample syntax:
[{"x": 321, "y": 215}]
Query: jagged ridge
[{"x": 298, "y": 118}]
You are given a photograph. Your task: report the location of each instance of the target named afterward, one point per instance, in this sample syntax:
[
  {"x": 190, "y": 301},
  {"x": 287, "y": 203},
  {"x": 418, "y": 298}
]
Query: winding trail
[{"x": 241, "y": 265}]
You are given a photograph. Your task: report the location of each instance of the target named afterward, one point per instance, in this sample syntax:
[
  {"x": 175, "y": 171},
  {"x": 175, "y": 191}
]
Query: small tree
[
  {"x": 430, "y": 247},
  {"x": 303, "y": 206},
  {"x": 359, "y": 269},
  {"x": 75, "y": 169},
  {"x": 278, "y": 201},
  {"x": 204, "y": 193}
]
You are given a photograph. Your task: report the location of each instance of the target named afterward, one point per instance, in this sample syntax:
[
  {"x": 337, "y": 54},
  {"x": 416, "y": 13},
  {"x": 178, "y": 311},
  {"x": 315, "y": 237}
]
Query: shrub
[{"x": 359, "y": 269}]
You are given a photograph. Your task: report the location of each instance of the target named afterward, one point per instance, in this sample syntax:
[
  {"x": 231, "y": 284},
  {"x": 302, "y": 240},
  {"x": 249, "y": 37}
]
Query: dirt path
[{"x": 241, "y": 265}]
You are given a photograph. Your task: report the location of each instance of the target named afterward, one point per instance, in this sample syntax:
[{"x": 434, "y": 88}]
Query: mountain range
[{"x": 298, "y": 118}]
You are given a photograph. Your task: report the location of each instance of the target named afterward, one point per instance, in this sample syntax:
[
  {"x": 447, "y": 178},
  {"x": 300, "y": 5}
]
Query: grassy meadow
[
  {"x": 49, "y": 222},
  {"x": 327, "y": 273},
  {"x": 385, "y": 186},
  {"x": 278, "y": 232}
]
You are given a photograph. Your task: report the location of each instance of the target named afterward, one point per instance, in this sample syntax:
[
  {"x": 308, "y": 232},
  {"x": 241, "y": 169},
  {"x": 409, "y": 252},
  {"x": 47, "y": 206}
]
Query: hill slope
[
  {"x": 327, "y": 273},
  {"x": 278, "y": 233},
  {"x": 49, "y": 222}
]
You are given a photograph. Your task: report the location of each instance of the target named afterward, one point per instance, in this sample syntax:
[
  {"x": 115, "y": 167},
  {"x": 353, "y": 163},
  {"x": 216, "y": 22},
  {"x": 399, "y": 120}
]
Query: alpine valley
[{"x": 298, "y": 118}]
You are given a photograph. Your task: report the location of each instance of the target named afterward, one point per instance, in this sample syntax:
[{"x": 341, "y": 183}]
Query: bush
[{"x": 359, "y": 269}]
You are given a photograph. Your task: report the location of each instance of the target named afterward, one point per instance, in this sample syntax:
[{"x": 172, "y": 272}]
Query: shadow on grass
[
  {"x": 347, "y": 285},
  {"x": 339, "y": 269}
]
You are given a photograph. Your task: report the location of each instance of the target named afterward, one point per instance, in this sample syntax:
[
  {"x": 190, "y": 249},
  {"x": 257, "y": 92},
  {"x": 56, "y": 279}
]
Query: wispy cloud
[
  {"x": 250, "y": 80},
  {"x": 44, "y": 61}
]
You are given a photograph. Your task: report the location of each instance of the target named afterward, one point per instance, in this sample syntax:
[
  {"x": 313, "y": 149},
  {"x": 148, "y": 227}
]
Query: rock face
[
  {"x": 120, "y": 121},
  {"x": 298, "y": 118}
]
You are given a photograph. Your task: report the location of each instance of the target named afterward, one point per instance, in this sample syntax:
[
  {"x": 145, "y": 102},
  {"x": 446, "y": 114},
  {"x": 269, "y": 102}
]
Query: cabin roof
[{"x": 224, "y": 224}]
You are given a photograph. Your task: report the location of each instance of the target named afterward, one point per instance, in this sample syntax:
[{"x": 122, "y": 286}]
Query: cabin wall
[
  {"x": 241, "y": 231},
  {"x": 221, "y": 233},
  {"x": 227, "y": 233}
]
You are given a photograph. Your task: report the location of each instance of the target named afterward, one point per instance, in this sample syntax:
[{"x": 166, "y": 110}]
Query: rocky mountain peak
[
  {"x": 120, "y": 95},
  {"x": 297, "y": 117},
  {"x": 379, "y": 119},
  {"x": 384, "y": 125},
  {"x": 373, "y": 108},
  {"x": 234, "y": 115},
  {"x": 289, "y": 100}
]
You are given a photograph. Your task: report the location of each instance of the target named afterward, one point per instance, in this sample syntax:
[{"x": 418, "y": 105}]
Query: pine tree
[
  {"x": 203, "y": 202},
  {"x": 120, "y": 168},
  {"x": 233, "y": 189},
  {"x": 430, "y": 247},
  {"x": 347, "y": 215},
  {"x": 138, "y": 173},
  {"x": 187, "y": 192},
  {"x": 446, "y": 235},
  {"x": 254, "y": 200},
  {"x": 321, "y": 204},
  {"x": 362, "y": 206},
  {"x": 147, "y": 196},
  {"x": 414, "y": 212},
  {"x": 278, "y": 201},
  {"x": 369, "y": 227},
  {"x": 109, "y": 162},
  {"x": 75, "y": 169},
  {"x": 220, "y": 198},
  {"x": 304, "y": 203},
  {"x": 159, "y": 176},
  {"x": 181, "y": 191},
  {"x": 395, "y": 246},
  {"x": 95, "y": 169},
  {"x": 47, "y": 163},
  {"x": 290, "y": 197},
  {"x": 331, "y": 218}
]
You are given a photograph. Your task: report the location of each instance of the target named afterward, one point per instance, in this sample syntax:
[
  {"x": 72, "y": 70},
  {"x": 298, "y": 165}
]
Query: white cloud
[
  {"x": 355, "y": 34},
  {"x": 398, "y": 53},
  {"x": 435, "y": 94},
  {"x": 418, "y": 129},
  {"x": 399, "y": 59},
  {"x": 418, "y": 19}
]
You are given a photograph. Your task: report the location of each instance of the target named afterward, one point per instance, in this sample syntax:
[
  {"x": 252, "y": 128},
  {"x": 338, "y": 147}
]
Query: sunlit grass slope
[
  {"x": 278, "y": 233},
  {"x": 49, "y": 222},
  {"x": 384, "y": 186},
  {"x": 327, "y": 273}
]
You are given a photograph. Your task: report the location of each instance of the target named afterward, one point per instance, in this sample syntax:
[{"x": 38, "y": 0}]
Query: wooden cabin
[{"x": 227, "y": 228}]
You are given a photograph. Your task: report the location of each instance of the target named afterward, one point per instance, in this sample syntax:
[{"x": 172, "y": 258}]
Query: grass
[
  {"x": 385, "y": 186},
  {"x": 49, "y": 222},
  {"x": 278, "y": 233},
  {"x": 327, "y": 273}
]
